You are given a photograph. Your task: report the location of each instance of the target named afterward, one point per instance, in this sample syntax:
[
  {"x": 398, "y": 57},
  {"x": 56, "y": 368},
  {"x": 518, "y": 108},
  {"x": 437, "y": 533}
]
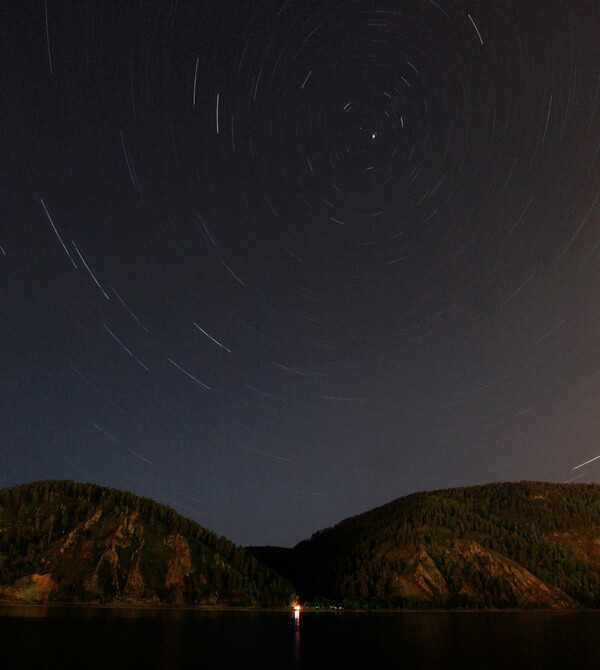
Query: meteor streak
[{"x": 582, "y": 464}]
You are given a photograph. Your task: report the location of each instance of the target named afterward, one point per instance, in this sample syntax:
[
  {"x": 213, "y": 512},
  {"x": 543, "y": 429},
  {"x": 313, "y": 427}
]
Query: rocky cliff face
[
  {"x": 31, "y": 588},
  {"x": 470, "y": 570},
  {"x": 103, "y": 562},
  {"x": 179, "y": 567},
  {"x": 517, "y": 586},
  {"x": 419, "y": 580}
]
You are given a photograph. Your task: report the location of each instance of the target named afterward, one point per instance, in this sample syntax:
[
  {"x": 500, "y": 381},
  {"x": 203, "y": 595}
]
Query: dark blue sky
[{"x": 276, "y": 263}]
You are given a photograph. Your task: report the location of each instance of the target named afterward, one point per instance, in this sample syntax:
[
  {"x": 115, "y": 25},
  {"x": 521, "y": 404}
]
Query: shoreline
[{"x": 147, "y": 607}]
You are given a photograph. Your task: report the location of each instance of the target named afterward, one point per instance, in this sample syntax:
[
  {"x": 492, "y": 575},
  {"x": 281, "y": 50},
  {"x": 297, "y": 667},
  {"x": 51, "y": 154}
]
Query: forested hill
[
  {"x": 62, "y": 540},
  {"x": 525, "y": 545}
]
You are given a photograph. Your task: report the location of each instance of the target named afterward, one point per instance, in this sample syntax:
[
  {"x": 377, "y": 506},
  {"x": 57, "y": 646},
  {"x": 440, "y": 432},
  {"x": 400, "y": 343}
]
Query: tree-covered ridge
[
  {"x": 525, "y": 544},
  {"x": 74, "y": 541}
]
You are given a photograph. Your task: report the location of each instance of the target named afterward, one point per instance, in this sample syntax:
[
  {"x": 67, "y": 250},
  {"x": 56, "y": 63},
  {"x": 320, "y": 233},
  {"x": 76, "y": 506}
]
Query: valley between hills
[{"x": 525, "y": 545}]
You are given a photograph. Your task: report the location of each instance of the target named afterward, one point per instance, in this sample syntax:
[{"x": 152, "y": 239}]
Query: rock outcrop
[
  {"x": 420, "y": 579},
  {"x": 516, "y": 586}
]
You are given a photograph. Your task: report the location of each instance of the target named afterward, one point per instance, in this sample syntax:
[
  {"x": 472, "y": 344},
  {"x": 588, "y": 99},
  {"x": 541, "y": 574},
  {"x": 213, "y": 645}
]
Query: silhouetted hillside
[
  {"x": 61, "y": 540},
  {"x": 523, "y": 544}
]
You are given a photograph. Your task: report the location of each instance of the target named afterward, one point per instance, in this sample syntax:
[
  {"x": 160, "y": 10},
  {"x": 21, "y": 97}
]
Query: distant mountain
[
  {"x": 66, "y": 541},
  {"x": 522, "y": 545}
]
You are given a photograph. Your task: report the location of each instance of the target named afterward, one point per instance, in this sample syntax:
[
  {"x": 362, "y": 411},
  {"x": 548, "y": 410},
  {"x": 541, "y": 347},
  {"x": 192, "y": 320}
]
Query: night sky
[{"x": 275, "y": 263}]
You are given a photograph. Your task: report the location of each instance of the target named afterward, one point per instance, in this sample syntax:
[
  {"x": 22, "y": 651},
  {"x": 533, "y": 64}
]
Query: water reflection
[
  {"x": 71, "y": 637},
  {"x": 297, "y": 635},
  {"x": 37, "y": 611}
]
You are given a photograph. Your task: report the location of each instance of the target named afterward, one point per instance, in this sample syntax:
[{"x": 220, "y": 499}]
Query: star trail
[{"x": 291, "y": 260}]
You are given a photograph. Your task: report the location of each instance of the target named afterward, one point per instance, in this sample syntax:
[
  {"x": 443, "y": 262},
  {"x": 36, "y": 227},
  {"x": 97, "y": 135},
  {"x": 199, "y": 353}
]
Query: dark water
[{"x": 56, "y": 637}]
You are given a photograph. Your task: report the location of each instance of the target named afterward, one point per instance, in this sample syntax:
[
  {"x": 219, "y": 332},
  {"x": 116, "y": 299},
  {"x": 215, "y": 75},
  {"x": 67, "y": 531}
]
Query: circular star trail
[{"x": 275, "y": 263}]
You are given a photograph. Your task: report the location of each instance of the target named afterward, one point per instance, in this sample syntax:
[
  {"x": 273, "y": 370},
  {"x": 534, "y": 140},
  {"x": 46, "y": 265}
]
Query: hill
[
  {"x": 67, "y": 541},
  {"x": 522, "y": 545}
]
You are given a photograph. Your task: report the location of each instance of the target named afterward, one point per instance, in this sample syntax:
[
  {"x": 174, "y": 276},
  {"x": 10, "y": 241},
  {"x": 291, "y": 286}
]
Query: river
[{"x": 35, "y": 637}]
